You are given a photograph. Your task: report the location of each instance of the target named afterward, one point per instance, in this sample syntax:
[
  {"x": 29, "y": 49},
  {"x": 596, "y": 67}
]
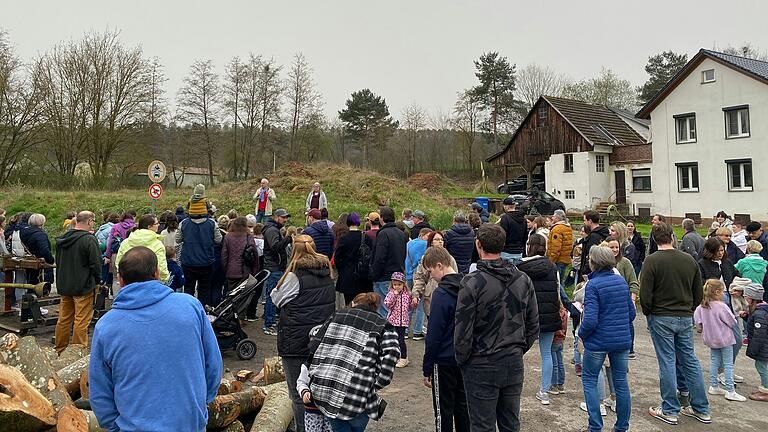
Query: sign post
[{"x": 156, "y": 173}]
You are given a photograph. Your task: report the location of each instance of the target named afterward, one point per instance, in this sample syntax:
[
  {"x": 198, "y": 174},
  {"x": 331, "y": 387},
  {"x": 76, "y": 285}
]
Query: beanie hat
[
  {"x": 314, "y": 213},
  {"x": 398, "y": 276},
  {"x": 739, "y": 283},
  {"x": 753, "y": 291}
]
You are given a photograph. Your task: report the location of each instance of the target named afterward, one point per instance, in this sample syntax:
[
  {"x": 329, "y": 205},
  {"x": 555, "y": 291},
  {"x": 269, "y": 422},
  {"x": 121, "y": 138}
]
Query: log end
[
  {"x": 20, "y": 398},
  {"x": 71, "y": 419}
]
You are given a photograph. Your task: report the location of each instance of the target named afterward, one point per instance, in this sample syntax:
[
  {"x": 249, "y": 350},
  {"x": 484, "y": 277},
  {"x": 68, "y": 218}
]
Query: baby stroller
[{"x": 225, "y": 317}]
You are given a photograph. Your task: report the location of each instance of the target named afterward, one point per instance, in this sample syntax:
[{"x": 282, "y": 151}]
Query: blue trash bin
[{"x": 483, "y": 201}]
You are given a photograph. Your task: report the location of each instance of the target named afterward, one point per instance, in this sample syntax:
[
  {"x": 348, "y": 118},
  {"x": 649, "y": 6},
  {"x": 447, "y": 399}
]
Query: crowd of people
[{"x": 344, "y": 297}]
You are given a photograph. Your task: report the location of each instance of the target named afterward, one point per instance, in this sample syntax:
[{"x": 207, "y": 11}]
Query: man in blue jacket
[
  {"x": 441, "y": 373},
  {"x": 155, "y": 363},
  {"x": 321, "y": 233}
]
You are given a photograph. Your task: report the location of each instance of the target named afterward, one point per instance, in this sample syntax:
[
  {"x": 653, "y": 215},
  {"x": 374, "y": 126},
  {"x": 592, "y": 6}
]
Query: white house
[
  {"x": 589, "y": 154},
  {"x": 709, "y": 129}
]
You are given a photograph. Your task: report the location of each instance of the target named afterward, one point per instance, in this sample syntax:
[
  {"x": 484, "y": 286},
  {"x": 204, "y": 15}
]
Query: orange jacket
[{"x": 560, "y": 243}]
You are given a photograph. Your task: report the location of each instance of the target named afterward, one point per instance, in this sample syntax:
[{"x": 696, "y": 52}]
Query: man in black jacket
[
  {"x": 388, "y": 255},
  {"x": 275, "y": 260},
  {"x": 497, "y": 321},
  {"x": 78, "y": 261},
  {"x": 460, "y": 242},
  {"x": 597, "y": 234},
  {"x": 419, "y": 219},
  {"x": 515, "y": 227}
]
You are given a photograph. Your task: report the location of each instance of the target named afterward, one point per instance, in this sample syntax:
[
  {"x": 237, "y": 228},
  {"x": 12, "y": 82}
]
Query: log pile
[{"x": 40, "y": 391}]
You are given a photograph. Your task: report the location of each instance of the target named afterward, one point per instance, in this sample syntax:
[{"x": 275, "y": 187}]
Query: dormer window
[{"x": 708, "y": 76}]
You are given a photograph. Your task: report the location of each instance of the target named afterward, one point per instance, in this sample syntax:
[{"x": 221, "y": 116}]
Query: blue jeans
[
  {"x": 261, "y": 217},
  {"x": 269, "y": 307},
  {"x": 545, "y": 349},
  {"x": 762, "y": 370},
  {"x": 673, "y": 341},
  {"x": 357, "y": 424},
  {"x": 593, "y": 364},
  {"x": 724, "y": 357},
  {"x": 381, "y": 288},
  {"x": 558, "y": 368},
  {"x": 418, "y": 322},
  {"x": 576, "y": 352},
  {"x": 513, "y": 258}
]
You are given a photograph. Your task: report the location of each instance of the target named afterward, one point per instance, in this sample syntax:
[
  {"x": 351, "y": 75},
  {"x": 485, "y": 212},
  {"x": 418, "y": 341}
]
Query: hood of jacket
[
  {"x": 139, "y": 295},
  {"x": 499, "y": 268},
  {"x": 271, "y": 221},
  {"x": 452, "y": 283},
  {"x": 69, "y": 238},
  {"x": 144, "y": 237},
  {"x": 321, "y": 226},
  {"x": 126, "y": 225},
  {"x": 602, "y": 231},
  {"x": 536, "y": 267},
  {"x": 517, "y": 216},
  {"x": 461, "y": 229}
]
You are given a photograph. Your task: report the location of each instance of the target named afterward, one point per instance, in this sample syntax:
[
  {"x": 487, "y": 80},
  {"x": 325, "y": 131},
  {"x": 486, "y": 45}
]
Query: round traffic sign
[
  {"x": 155, "y": 191},
  {"x": 156, "y": 171}
]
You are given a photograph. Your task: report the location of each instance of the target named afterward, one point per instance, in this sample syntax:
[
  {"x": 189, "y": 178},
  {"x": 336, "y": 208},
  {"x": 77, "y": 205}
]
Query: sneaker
[
  {"x": 561, "y": 389},
  {"x": 659, "y": 414},
  {"x": 690, "y": 412},
  {"x": 734, "y": 397},
  {"x": 418, "y": 336},
  {"x": 543, "y": 397},
  {"x": 738, "y": 379},
  {"x": 610, "y": 403},
  {"x": 43, "y": 311},
  {"x": 554, "y": 390},
  {"x": 578, "y": 370},
  {"x": 716, "y": 391},
  {"x": 684, "y": 398},
  {"x": 270, "y": 331},
  {"x": 403, "y": 362},
  {"x": 632, "y": 355},
  {"x": 251, "y": 318},
  {"x": 406, "y": 336},
  {"x": 759, "y": 395},
  {"x": 603, "y": 411}
]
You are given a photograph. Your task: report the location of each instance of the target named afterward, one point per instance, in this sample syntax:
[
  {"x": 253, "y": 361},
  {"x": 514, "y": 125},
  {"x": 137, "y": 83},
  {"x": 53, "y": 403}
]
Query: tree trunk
[
  {"x": 22, "y": 407},
  {"x": 235, "y": 426},
  {"x": 277, "y": 412},
  {"x": 70, "y": 375},
  {"x": 71, "y": 419},
  {"x": 70, "y": 355},
  {"x": 227, "y": 408}
]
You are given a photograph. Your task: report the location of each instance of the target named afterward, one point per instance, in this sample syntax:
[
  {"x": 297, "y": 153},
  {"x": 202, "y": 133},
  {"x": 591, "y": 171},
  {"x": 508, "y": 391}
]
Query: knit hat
[
  {"x": 199, "y": 192},
  {"x": 509, "y": 201},
  {"x": 739, "y": 284},
  {"x": 752, "y": 291},
  {"x": 419, "y": 214},
  {"x": 314, "y": 213},
  {"x": 398, "y": 276}
]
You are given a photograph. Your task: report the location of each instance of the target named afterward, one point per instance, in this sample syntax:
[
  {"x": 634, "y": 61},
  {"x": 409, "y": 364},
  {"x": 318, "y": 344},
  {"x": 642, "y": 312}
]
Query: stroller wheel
[{"x": 246, "y": 349}]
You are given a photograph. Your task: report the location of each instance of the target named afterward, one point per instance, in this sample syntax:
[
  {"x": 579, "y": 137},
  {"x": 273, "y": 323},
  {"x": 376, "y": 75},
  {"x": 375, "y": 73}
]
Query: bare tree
[
  {"x": 534, "y": 81},
  {"x": 199, "y": 105},
  {"x": 269, "y": 94},
  {"x": 156, "y": 103},
  {"x": 440, "y": 122},
  {"x": 19, "y": 109},
  {"x": 304, "y": 102},
  {"x": 467, "y": 114},
  {"x": 235, "y": 80},
  {"x": 414, "y": 119}
]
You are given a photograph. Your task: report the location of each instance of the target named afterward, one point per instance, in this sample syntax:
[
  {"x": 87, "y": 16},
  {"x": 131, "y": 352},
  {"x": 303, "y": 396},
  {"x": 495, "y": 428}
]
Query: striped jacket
[{"x": 352, "y": 356}]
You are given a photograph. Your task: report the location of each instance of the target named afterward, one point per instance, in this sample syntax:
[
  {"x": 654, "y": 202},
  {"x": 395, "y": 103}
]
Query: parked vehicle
[
  {"x": 520, "y": 184},
  {"x": 537, "y": 202}
]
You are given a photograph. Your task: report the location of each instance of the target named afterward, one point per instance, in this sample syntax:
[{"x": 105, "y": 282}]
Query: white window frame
[
  {"x": 600, "y": 163},
  {"x": 742, "y": 112},
  {"x": 689, "y": 168},
  {"x": 740, "y": 165},
  {"x": 687, "y": 120},
  {"x": 570, "y": 192},
  {"x": 543, "y": 112},
  {"x": 635, "y": 174},
  {"x": 568, "y": 168},
  {"x": 704, "y": 79}
]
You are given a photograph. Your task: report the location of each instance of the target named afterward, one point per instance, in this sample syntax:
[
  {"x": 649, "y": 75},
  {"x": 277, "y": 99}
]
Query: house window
[
  {"x": 543, "y": 112},
  {"x": 736, "y": 122},
  {"x": 686, "y": 128},
  {"x": 688, "y": 177},
  {"x": 600, "y": 163},
  {"x": 568, "y": 163},
  {"x": 708, "y": 76},
  {"x": 641, "y": 180},
  {"x": 570, "y": 194},
  {"x": 739, "y": 174}
]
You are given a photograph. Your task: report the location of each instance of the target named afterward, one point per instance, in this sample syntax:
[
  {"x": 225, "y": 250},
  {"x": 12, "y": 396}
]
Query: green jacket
[
  {"x": 627, "y": 271},
  {"x": 78, "y": 263},
  {"x": 752, "y": 267},
  {"x": 149, "y": 239}
]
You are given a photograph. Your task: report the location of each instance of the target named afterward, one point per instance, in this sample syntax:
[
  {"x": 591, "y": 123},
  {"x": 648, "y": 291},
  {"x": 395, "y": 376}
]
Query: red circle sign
[{"x": 155, "y": 191}]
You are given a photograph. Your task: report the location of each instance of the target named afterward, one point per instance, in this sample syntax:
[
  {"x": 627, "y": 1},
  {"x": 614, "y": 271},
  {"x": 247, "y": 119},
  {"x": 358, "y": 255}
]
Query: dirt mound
[{"x": 430, "y": 181}]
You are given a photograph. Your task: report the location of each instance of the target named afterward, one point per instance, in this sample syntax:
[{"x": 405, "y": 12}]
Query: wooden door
[{"x": 621, "y": 187}]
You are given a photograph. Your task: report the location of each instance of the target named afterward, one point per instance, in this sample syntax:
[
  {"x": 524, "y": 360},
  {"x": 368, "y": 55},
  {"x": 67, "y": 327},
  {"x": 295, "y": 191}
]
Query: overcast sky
[{"x": 407, "y": 51}]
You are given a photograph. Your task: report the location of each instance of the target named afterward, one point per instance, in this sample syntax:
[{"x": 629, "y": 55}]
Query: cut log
[
  {"x": 229, "y": 384},
  {"x": 50, "y": 352},
  {"x": 277, "y": 412},
  {"x": 84, "y": 392},
  {"x": 227, "y": 408},
  {"x": 71, "y": 419},
  {"x": 273, "y": 370},
  {"x": 244, "y": 375},
  {"x": 93, "y": 422},
  {"x": 70, "y": 355},
  {"x": 22, "y": 407},
  {"x": 70, "y": 375},
  {"x": 235, "y": 426}
]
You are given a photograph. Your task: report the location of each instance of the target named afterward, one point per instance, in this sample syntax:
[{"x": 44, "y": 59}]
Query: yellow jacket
[
  {"x": 560, "y": 243},
  {"x": 149, "y": 239}
]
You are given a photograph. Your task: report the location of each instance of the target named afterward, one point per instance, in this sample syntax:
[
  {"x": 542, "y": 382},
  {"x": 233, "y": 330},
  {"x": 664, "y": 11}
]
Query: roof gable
[{"x": 756, "y": 69}]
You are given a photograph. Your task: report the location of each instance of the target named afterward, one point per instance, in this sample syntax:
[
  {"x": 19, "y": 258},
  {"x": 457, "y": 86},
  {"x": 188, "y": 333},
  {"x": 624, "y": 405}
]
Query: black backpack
[
  {"x": 250, "y": 255},
  {"x": 364, "y": 252}
]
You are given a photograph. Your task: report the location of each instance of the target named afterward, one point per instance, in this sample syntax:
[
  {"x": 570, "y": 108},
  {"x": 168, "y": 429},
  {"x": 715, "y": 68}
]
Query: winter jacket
[
  {"x": 149, "y": 239},
  {"x": 388, "y": 253},
  {"x": 712, "y": 270},
  {"x": 275, "y": 255},
  {"x": 416, "y": 228},
  {"x": 692, "y": 244},
  {"x": 153, "y": 335},
  {"x": 717, "y": 323},
  {"x": 322, "y": 236},
  {"x": 352, "y": 357},
  {"x": 414, "y": 251},
  {"x": 460, "y": 242},
  {"x": 78, "y": 263},
  {"x": 763, "y": 239},
  {"x": 198, "y": 238},
  {"x": 271, "y": 196},
  {"x": 120, "y": 229},
  {"x": 625, "y": 269},
  {"x": 734, "y": 253},
  {"x": 752, "y": 267},
  {"x": 36, "y": 241},
  {"x": 232, "y": 256},
  {"x": 560, "y": 243},
  {"x": 628, "y": 251},
  {"x": 323, "y": 201},
  {"x": 543, "y": 274},
  {"x": 346, "y": 259},
  {"x": 515, "y": 226},
  {"x": 314, "y": 303},
  {"x": 639, "y": 243},
  {"x": 102, "y": 234},
  {"x": 399, "y": 307},
  {"x": 560, "y": 334},
  {"x": 757, "y": 333},
  {"x": 596, "y": 236},
  {"x": 438, "y": 346},
  {"x": 176, "y": 277},
  {"x": 424, "y": 286},
  {"x": 496, "y": 314},
  {"x": 608, "y": 313}
]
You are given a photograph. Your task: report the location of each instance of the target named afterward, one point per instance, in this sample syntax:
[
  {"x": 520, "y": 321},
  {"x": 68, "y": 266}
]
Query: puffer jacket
[
  {"x": 560, "y": 243},
  {"x": 460, "y": 242},
  {"x": 150, "y": 240},
  {"x": 399, "y": 306},
  {"x": 313, "y": 305},
  {"x": 388, "y": 253},
  {"x": 36, "y": 241},
  {"x": 543, "y": 274},
  {"x": 608, "y": 313},
  {"x": 232, "y": 256},
  {"x": 757, "y": 333},
  {"x": 711, "y": 270},
  {"x": 322, "y": 236}
]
